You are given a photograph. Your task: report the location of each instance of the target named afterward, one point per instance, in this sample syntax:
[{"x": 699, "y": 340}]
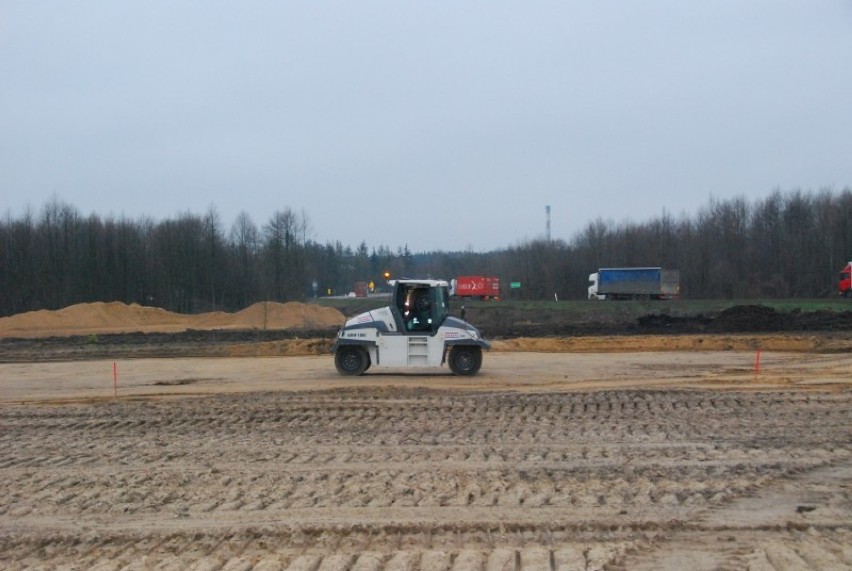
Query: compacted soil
[
  {"x": 394, "y": 477},
  {"x": 628, "y": 453}
]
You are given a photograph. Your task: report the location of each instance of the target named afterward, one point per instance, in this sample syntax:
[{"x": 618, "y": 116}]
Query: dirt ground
[{"x": 725, "y": 451}]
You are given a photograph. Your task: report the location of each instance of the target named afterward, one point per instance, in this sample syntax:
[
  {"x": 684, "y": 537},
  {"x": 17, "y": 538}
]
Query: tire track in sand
[{"x": 414, "y": 479}]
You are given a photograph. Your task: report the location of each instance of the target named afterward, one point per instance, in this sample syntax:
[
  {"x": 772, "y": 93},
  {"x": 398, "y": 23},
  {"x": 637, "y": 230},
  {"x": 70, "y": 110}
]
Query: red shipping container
[{"x": 483, "y": 287}]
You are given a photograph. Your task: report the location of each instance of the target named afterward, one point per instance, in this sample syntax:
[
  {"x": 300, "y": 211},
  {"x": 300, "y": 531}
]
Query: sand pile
[{"x": 117, "y": 317}]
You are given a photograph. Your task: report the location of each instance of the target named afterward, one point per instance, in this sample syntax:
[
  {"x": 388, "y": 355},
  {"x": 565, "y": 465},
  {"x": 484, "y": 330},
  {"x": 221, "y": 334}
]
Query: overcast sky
[{"x": 440, "y": 125}]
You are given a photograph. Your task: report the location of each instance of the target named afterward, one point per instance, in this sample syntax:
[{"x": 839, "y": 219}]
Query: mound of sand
[{"x": 117, "y": 317}]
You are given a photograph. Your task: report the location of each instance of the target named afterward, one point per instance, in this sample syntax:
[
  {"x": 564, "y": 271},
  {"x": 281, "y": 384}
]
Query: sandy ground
[
  {"x": 502, "y": 371},
  {"x": 585, "y": 460}
]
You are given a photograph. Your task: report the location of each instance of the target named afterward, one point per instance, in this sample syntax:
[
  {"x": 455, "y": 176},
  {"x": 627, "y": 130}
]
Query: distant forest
[{"x": 790, "y": 244}]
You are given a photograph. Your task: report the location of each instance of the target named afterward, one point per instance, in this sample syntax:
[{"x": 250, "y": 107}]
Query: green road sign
[{"x": 515, "y": 285}]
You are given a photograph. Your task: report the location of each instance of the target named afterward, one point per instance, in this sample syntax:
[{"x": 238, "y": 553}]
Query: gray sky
[{"x": 441, "y": 125}]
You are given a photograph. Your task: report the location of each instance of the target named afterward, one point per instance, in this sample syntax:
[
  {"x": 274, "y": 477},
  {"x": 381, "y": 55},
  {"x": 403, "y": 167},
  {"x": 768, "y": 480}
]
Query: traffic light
[{"x": 387, "y": 275}]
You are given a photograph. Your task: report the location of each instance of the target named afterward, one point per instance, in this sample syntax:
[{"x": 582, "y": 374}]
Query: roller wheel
[
  {"x": 465, "y": 360},
  {"x": 351, "y": 360}
]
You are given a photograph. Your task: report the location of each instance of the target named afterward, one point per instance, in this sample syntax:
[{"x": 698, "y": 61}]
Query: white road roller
[{"x": 416, "y": 330}]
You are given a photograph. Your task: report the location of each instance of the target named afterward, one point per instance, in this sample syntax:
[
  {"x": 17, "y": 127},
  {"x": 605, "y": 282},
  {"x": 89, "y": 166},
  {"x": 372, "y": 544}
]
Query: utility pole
[{"x": 547, "y": 232}]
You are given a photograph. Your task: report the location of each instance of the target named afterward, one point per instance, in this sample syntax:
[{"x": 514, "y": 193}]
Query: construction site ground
[{"x": 244, "y": 450}]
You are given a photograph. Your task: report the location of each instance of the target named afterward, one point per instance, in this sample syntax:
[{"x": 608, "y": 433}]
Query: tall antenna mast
[{"x": 547, "y": 233}]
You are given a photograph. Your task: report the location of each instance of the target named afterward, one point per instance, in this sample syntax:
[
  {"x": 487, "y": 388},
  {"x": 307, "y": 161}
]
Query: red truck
[
  {"x": 482, "y": 287},
  {"x": 844, "y": 286}
]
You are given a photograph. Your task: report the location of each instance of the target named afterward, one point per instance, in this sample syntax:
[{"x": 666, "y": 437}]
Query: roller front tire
[
  {"x": 465, "y": 360},
  {"x": 351, "y": 360}
]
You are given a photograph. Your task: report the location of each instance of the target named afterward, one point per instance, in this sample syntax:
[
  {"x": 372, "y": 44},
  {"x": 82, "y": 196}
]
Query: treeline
[
  {"x": 788, "y": 245},
  {"x": 187, "y": 264}
]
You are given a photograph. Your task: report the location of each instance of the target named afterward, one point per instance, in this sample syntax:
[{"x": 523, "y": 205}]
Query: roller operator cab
[{"x": 416, "y": 330}]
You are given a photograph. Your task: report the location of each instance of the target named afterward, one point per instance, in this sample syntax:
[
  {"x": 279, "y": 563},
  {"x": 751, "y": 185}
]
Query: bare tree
[{"x": 245, "y": 248}]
